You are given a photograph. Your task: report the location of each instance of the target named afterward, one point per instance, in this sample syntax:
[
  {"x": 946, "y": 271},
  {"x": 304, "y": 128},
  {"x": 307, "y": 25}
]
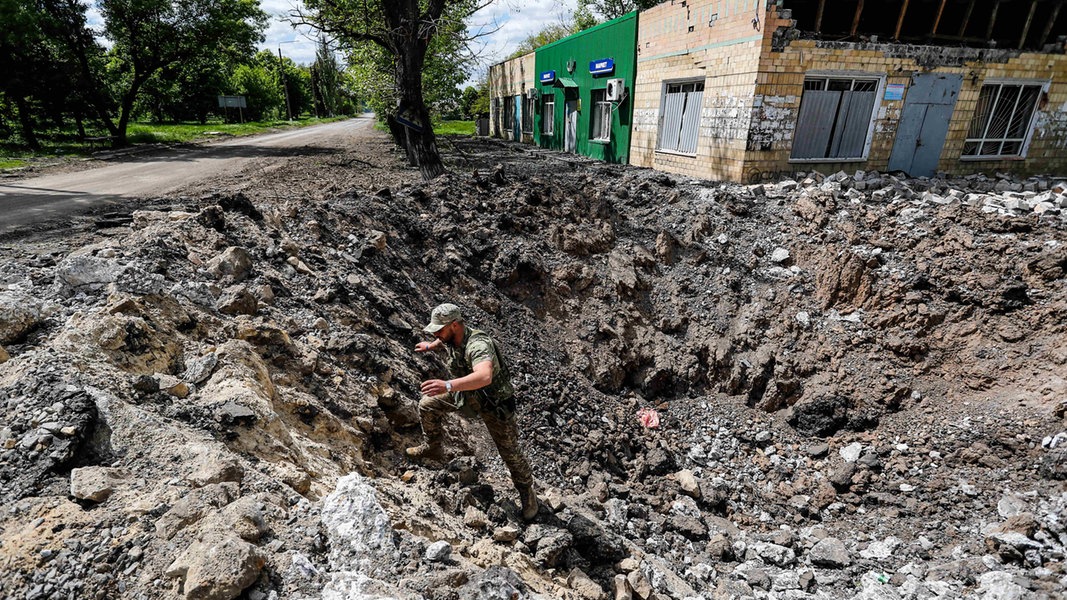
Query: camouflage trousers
[{"x": 505, "y": 432}]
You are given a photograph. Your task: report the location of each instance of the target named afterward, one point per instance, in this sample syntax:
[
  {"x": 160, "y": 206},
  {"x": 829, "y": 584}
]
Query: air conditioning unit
[
  {"x": 531, "y": 93},
  {"x": 615, "y": 91}
]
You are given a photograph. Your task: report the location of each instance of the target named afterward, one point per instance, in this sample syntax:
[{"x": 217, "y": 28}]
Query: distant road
[{"x": 36, "y": 199}]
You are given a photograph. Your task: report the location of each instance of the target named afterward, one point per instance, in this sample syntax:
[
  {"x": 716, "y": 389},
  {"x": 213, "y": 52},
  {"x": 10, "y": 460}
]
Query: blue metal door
[
  {"x": 516, "y": 130},
  {"x": 924, "y": 123}
]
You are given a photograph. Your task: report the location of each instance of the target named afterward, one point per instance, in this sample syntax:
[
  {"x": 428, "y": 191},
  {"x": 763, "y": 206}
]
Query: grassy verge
[
  {"x": 147, "y": 133},
  {"x": 12, "y": 163},
  {"x": 454, "y": 128},
  {"x": 56, "y": 143}
]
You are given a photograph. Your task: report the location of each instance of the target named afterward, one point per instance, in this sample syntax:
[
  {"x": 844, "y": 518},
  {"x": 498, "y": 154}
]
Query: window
[
  {"x": 1002, "y": 120},
  {"x": 548, "y": 114},
  {"x": 679, "y": 123},
  {"x": 528, "y": 107},
  {"x": 601, "y": 121},
  {"x": 509, "y": 114},
  {"x": 835, "y": 118}
]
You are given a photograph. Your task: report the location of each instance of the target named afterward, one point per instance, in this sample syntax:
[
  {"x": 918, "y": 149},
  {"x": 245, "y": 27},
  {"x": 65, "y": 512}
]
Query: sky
[{"x": 504, "y": 24}]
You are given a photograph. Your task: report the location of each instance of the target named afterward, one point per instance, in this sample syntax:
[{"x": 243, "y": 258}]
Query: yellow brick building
[
  {"x": 743, "y": 90},
  {"x": 511, "y": 109}
]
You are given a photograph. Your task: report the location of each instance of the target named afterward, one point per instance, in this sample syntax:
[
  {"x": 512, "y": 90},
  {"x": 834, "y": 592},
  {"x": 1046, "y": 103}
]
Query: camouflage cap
[{"x": 442, "y": 316}]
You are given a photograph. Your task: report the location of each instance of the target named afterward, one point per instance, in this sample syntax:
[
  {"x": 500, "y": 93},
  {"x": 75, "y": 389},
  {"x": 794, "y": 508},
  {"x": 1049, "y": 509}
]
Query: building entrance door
[
  {"x": 570, "y": 137},
  {"x": 924, "y": 123}
]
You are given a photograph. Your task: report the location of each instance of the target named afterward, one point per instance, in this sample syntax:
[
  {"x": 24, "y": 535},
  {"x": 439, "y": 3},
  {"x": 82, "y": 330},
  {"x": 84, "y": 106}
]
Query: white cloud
[
  {"x": 504, "y": 25},
  {"x": 297, "y": 44}
]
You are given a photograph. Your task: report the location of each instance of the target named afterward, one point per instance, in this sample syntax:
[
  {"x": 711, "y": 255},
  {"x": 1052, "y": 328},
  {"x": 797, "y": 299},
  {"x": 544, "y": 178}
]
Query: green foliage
[
  {"x": 160, "y": 38},
  {"x": 582, "y": 19},
  {"x": 475, "y": 100},
  {"x": 326, "y": 81},
  {"x": 261, "y": 90},
  {"x": 613, "y": 9},
  {"x": 37, "y": 72},
  {"x": 447, "y": 65}
]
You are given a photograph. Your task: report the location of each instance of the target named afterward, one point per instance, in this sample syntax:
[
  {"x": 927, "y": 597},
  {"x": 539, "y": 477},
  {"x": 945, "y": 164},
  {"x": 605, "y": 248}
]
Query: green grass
[
  {"x": 147, "y": 133},
  {"x": 454, "y": 128},
  {"x": 440, "y": 127},
  {"x": 12, "y": 163}
]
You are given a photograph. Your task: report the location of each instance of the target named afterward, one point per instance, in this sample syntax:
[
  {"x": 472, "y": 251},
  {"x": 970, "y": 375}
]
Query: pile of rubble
[{"x": 822, "y": 387}]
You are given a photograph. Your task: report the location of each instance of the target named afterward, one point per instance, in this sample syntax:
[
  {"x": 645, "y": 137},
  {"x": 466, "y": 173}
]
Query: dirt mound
[{"x": 856, "y": 382}]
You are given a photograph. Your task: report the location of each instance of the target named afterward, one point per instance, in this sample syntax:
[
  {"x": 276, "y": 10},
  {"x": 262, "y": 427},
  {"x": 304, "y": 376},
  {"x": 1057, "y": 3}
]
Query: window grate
[
  {"x": 1002, "y": 119},
  {"x": 601, "y": 117},
  {"x": 528, "y": 107},
  {"x": 548, "y": 115}
]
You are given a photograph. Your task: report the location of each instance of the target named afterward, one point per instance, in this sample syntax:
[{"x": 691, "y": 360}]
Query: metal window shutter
[
  {"x": 672, "y": 121},
  {"x": 815, "y": 123},
  {"x": 853, "y": 121},
  {"x": 687, "y": 138}
]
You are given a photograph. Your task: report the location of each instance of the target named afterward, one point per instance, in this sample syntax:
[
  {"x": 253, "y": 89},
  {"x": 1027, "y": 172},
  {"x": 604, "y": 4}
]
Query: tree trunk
[
  {"x": 400, "y": 137},
  {"x": 420, "y": 142},
  {"x": 26, "y": 121}
]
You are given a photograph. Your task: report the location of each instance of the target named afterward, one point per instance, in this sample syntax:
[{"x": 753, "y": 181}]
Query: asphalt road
[{"x": 28, "y": 201}]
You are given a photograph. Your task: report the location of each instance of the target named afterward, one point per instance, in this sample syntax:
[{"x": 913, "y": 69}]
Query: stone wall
[
  {"x": 780, "y": 85},
  {"x": 717, "y": 42}
]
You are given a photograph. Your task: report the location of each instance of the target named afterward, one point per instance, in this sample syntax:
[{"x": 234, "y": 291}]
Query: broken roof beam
[
  {"x": 1051, "y": 22},
  {"x": 818, "y": 16},
  {"x": 856, "y": 18},
  {"x": 937, "y": 19},
  {"x": 992, "y": 20},
  {"x": 1029, "y": 20},
  {"x": 900, "y": 20},
  {"x": 966, "y": 19}
]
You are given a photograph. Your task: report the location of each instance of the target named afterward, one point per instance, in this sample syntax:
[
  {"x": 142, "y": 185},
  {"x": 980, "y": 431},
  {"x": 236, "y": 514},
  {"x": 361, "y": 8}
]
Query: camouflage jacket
[{"x": 478, "y": 347}]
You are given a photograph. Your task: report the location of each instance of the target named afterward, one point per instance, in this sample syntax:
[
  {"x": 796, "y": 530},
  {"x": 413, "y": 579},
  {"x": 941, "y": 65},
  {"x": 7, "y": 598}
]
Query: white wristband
[{"x": 448, "y": 386}]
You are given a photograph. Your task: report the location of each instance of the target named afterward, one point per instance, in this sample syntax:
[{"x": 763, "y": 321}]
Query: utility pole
[{"x": 285, "y": 86}]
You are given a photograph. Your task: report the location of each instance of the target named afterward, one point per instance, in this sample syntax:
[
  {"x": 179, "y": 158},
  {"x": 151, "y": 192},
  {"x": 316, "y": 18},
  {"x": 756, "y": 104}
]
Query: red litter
[{"x": 649, "y": 418}]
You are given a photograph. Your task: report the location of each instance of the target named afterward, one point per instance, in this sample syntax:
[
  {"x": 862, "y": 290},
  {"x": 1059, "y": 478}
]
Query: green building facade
[{"x": 585, "y": 91}]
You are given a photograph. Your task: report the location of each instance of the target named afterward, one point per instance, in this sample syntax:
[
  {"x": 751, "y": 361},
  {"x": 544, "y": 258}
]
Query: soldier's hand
[
  {"x": 422, "y": 346},
  {"x": 433, "y": 387}
]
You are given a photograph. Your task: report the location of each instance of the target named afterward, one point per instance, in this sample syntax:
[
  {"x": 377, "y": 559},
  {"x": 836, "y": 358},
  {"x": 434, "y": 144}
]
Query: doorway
[
  {"x": 570, "y": 134},
  {"x": 924, "y": 123}
]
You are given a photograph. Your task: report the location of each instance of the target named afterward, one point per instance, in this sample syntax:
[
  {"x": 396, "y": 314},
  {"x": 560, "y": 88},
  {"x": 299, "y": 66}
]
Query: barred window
[
  {"x": 601, "y": 121},
  {"x": 1002, "y": 120},
  {"x": 548, "y": 114},
  {"x": 528, "y": 106},
  {"x": 509, "y": 113}
]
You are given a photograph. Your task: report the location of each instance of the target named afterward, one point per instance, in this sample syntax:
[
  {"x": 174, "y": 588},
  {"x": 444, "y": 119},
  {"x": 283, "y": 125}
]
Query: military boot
[
  {"x": 425, "y": 451},
  {"x": 529, "y": 502}
]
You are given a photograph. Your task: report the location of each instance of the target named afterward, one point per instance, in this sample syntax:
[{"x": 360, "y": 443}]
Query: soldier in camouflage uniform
[{"x": 481, "y": 385}]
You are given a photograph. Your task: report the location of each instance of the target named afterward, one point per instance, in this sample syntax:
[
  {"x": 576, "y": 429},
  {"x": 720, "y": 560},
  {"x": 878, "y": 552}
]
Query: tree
[
  {"x": 404, "y": 30},
  {"x": 188, "y": 90},
  {"x": 580, "y": 20},
  {"x": 326, "y": 80},
  {"x": 613, "y": 9},
  {"x": 37, "y": 74},
  {"x": 259, "y": 86},
  {"x": 148, "y": 36}
]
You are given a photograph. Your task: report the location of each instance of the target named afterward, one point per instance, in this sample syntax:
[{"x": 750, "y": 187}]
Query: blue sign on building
[
  {"x": 602, "y": 66},
  {"x": 548, "y": 76}
]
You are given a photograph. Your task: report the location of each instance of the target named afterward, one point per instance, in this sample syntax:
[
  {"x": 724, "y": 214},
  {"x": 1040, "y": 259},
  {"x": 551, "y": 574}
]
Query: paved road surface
[{"x": 28, "y": 201}]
